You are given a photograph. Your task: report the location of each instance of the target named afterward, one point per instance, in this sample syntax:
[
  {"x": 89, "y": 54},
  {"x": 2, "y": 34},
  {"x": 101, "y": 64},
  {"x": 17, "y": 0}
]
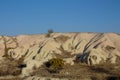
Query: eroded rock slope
[{"x": 91, "y": 48}]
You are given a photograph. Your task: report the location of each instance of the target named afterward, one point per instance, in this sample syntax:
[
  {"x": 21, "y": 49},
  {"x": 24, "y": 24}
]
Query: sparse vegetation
[
  {"x": 55, "y": 65},
  {"x": 50, "y": 31},
  {"x": 8, "y": 67},
  {"x": 11, "y": 67},
  {"x": 80, "y": 71}
]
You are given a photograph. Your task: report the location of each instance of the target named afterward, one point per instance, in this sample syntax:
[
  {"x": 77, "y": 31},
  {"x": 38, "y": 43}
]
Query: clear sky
[{"x": 37, "y": 16}]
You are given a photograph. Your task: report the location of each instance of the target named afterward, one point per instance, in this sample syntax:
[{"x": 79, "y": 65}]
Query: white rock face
[
  {"x": 97, "y": 56},
  {"x": 30, "y": 67},
  {"x": 100, "y": 49},
  {"x": 69, "y": 60},
  {"x": 36, "y": 49}
]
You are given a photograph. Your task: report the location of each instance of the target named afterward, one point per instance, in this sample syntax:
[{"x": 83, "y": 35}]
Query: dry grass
[
  {"x": 17, "y": 78},
  {"x": 78, "y": 71},
  {"x": 9, "y": 68},
  {"x": 83, "y": 71}
]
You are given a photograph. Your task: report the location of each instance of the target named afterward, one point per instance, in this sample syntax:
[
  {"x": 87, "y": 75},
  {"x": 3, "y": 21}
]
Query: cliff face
[{"x": 91, "y": 48}]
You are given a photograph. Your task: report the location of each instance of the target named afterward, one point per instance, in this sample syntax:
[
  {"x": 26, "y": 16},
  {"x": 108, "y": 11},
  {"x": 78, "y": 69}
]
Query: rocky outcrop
[
  {"x": 100, "y": 49},
  {"x": 94, "y": 48}
]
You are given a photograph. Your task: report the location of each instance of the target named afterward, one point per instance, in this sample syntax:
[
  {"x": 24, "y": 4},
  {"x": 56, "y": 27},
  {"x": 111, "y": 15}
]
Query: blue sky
[{"x": 37, "y": 16}]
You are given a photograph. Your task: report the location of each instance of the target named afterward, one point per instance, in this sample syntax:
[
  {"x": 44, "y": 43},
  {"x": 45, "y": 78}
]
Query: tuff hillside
[{"x": 89, "y": 48}]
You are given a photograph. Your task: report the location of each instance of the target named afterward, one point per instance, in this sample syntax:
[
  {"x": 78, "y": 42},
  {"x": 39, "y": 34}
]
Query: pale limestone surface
[{"x": 93, "y": 47}]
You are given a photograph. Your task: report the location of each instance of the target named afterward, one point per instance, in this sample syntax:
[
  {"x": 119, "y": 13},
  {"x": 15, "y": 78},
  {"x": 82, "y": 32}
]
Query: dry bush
[
  {"x": 50, "y": 31},
  {"x": 9, "y": 68},
  {"x": 106, "y": 71},
  {"x": 13, "y": 79},
  {"x": 80, "y": 71},
  {"x": 55, "y": 65}
]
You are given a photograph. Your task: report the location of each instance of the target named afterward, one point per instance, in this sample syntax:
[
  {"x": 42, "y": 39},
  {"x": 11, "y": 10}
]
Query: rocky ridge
[{"x": 89, "y": 48}]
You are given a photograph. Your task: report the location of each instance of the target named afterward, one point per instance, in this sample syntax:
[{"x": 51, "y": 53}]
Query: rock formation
[{"x": 93, "y": 48}]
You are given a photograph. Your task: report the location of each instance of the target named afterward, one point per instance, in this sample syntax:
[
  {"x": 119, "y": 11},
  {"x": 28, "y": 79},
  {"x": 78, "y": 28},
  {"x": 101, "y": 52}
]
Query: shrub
[
  {"x": 55, "y": 65},
  {"x": 50, "y": 31}
]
